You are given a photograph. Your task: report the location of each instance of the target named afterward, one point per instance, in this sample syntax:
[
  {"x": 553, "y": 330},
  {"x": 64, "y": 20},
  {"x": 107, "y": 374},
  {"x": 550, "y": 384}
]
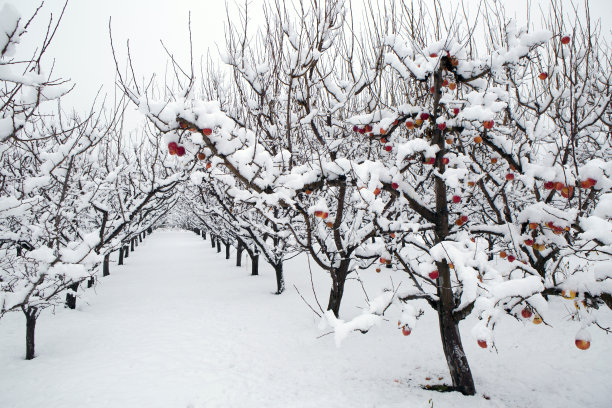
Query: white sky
[{"x": 82, "y": 47}]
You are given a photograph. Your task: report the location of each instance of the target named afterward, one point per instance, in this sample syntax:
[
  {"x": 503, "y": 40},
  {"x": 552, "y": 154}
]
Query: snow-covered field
[{"x": 179, "y": 326}]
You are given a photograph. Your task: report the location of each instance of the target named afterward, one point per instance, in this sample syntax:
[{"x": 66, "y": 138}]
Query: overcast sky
[{"x": 82, "y": 47}]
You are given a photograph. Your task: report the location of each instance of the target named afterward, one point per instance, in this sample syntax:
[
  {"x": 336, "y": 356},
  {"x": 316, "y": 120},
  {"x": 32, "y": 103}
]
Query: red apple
[
  {"x": 482, "y": 343},
  {"x": 207, "y": 131},
  {"x": 180, "y": 151},
  {"x": 529, "y": 242},
  {"x": 318, "y": 213},
  {"x": 488, "y": 124},
  {"x": 430, "y": 160},
  {"x": 377, "y": 270},
  {"x": 583, "y": 344},
  {"x": 406, "y": 331},
  {"x": 456, "y": 110},
  {"x": 368, "y": 128},
  {"x": 533, "y": 225},
  {"x": 549, "y": 185},
  {"x": 355, "y": 128},
  {"x": 445, "y": 82},
  {"x": 325, "y": 215},
  {"x": 510, "y": 176},
  {"x": 493, "y": 160},
  {"x": 424, "y": 116},
  {"x": 559, "y": 186},
  {"x": 478, "y": 140},
  {"x": 503, "y": 254},
  {"x": 376, "y": 191},
  {"x": 526, "y": 313},
  {"x": 388, "y": 148},
  {"x": 456, "y": 199},
  {"x": 433, "y": 55},
  {"x": 208, "y": 165},
  {"x": 565, "y": 40},
  {"x": 410, "y": 124},
  {"x": 201, "y": 156},
  {"x": 394, "y": 186},
  {"x": 434, "y": 274},
  {"x": 452, "y": 86},
  {"x": 445, "y": 160},
  {"x": 511, "y": 258},
  {"x": 543, "y": 76},
  {"x": 172, "y": 147},
  {"x": 442, "y": 126}
]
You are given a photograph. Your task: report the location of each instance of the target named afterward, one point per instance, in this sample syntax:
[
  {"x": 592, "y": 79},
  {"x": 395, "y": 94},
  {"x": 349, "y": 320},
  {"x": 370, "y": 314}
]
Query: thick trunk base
[
  {"x": 458, "y": 366},
  {"x": 31, "y": 317}
]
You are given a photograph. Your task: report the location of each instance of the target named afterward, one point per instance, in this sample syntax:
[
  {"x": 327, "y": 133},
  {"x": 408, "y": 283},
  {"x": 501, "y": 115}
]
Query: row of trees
[
  {"x": 74, "y": 188},
  {"x": 474, "y": 160}
]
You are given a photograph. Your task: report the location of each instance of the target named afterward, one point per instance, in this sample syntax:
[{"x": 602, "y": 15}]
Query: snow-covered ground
[{"x": 179, "y": 326}]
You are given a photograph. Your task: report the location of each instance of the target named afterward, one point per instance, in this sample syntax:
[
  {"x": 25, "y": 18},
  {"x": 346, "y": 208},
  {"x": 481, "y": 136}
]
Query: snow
[{"x": 179, "y": 326}]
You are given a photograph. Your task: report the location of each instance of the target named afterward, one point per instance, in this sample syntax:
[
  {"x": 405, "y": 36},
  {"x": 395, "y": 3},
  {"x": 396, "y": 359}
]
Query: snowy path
[{"x": 178, "y": 326}]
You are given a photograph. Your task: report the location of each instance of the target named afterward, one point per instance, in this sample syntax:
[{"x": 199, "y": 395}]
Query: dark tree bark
[
  {"x": 127, "y": 251},
  {"x": 212, "y": 240},
  {"x": 19, "y": 252},
  {"x": 204, "y": 234},
  {"x": 227, "y": 250},
  {"x": 255, "y": 264},
  {"x": 280, "y": 280},
  {"x": 31, "y": 314},
  {"x": 90, "y": 282},
  {"x": 120, "y": 262},
  {"x": 140, "y": 237},
  {"x": 239, "y": 250},
  {"x": 105, "y": 265},
  {"x": 70, "y": 298},
  {"x": 338, "y": 276},
  {"x": 132, "y": 244},
  {"x": 218, "y": 245},
  {"x": 150, "y": 230},
  {"x": 135, "y": 240}
]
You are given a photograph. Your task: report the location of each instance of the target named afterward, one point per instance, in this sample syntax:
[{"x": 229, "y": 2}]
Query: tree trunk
[
  {"x": 218, "y": 245},
  {"x": 19, "y": 250},
  {"x": 105, "y": 265},
  {"x": 132, "y": 244},
  {"x": 140, "y": 237},
  {"x": 150, "y": 230},
  {"x": 135, "y": 240},
  {"x": 204, "y": 234},
  {"x": 212, "y": 240},
  {"x": 70, "y": 298},
  {"x": 90, "y": 282},
  {"x": 458, "y": 366},
  {"x": 120, "y": 256},
  {"x": 338, "y": 276},
  {"x": 31, "y": 316},
  {"x": 227, "y": 250},
  {"x": 280, "y": 280},
  {"x": 127, "y": 251},
  {"x": 239, "y": 250},
  {"x": 255, "y": 265}
]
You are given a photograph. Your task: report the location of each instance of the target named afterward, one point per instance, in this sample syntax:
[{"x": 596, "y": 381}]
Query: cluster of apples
[
  {"x": 185, "y": 125},
  {"x": 175, "y": 149},
  {"x": 418, "y": 121},
  {"x": 369, "y": 130}
]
